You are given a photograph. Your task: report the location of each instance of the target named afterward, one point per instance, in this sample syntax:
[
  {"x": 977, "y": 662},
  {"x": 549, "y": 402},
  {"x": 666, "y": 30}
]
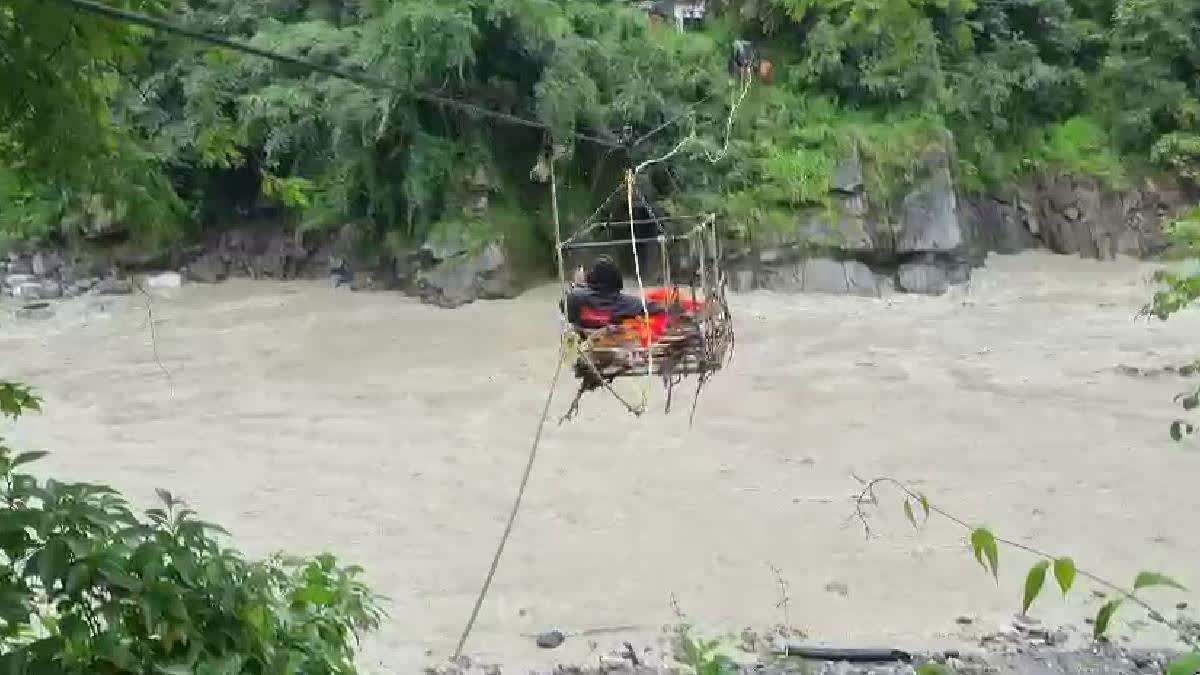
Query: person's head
[{"x": 604, "y": 276}]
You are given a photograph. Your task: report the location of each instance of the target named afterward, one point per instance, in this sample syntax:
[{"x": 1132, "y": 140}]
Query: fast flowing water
[{"x": 307, "y": 419}]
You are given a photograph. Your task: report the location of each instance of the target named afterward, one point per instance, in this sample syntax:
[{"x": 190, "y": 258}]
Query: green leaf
[
  {"x": 1188, "y": 664},
  {"x": 933, "y": 669},
  {"x": 908, "y": 513},
  {"x": 1147, "y": 579},
  {"x": 27, "y": 457},
  {"x": 984, "y": 544},
  {"x": 78, "y": 578},
  {"x": 54, "y": 562},
  {"x": 1064, "y": 573},
  {"x": 115, "y": 576},
  {"x": 1179, "y": 429},
  {"x": 1033, "y": 584},
  {"x": 1103, "y": 617},
  {"x": 924, "y": 505}
]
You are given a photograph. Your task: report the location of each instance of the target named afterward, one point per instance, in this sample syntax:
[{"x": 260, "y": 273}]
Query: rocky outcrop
[
  {"x": 50, "y": 275},
  {"x": 255, "y": 252},
  {"x": 935, "y": 234},
  {"x": 444, "y": 271},
  {"x": 1077, "y": 216},
  {"x": 453, "y": 274},
  {"x": 848, "y": 247}
]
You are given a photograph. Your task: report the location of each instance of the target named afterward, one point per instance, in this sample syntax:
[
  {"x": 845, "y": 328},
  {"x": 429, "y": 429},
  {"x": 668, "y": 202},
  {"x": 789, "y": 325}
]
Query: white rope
[
  {"x": 737, "y": 103},
  {"x": 637, "y": 268},
  {"x": 738, "y": 99}
]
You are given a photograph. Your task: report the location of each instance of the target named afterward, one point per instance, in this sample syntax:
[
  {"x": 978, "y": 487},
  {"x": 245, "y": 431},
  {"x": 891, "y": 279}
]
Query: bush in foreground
[{"x": 88, "y": 586}]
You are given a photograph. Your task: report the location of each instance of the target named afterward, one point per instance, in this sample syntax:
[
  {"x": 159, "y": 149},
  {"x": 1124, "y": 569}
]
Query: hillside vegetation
[{"x": 169, "y": 136}]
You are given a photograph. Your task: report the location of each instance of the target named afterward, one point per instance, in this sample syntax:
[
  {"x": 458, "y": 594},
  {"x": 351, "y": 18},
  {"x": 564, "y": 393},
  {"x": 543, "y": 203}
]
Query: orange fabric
[
  {"x": 638, "y": 328},
  {"x": 668, "y": 296},
  {"x": 646, "y": 333}
]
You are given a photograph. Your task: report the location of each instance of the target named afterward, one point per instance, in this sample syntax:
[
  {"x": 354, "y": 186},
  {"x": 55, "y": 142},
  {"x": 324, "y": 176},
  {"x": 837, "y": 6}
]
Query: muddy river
[{"x": 307, "y": 419}]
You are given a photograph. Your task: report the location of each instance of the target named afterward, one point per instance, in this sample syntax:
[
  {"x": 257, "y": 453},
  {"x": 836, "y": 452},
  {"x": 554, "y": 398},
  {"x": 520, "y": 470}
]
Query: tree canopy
[{"x": 176, "y": 134}]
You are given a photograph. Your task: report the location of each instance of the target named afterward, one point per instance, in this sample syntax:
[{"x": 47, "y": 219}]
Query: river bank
[{"x": 307, "y": 418}]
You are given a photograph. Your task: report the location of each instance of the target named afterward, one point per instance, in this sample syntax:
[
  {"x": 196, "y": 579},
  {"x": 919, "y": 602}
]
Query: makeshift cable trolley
[{"x": 684, "y": 326}]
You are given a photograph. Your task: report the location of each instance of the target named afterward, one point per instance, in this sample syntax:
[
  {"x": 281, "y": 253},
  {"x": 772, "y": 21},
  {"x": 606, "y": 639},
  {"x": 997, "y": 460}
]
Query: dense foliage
[
  {"x": 175, "y": 134},
  {"x": 87, "y": 586}
]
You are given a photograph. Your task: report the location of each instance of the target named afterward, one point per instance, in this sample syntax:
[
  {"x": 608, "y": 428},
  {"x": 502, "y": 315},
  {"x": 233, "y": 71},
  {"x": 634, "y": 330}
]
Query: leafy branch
[
  {"x": 986, "y": 548},
  {"x": 17, "y": 398}
]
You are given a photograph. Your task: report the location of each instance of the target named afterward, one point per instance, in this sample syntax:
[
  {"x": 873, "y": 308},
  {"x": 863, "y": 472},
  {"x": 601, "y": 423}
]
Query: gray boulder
[
  {"x": 848, "y": 173},
  {"x": 929, "y": 215},
  {"x": 822, "y": 275},
  {"x": 51, "y": 289},
  {"x": 931, "y": 274},
  {"x": 467, "y": 277},
  {"x": 46, "y": 264},
  {"x": 210, "y": 268},
  {"x": 817, "y": 275},
  {"x": 842, "y": 226},
  {"x": 29, "y": 290},
  {"x": 991, "y": 225},
  {"x": 113, "y": 286},
  {"x": 19, "y": 265},
  {"x": 14, "y": 280}
]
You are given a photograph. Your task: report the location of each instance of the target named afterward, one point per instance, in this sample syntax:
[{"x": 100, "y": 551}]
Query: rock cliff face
[
  {"x": 935, "y": 234},
  {"x": 850, "y": 247},
  {"x": 444, "y": 273},
  {"x": 926, "y": 241}
]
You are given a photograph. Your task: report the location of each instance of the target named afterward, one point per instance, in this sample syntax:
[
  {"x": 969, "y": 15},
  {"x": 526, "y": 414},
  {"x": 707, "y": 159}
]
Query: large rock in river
[{"x": 467, "y": 276}]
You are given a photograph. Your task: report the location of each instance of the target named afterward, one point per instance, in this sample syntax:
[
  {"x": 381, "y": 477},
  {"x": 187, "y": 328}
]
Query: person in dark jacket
[{"x": 602, "y": 294}]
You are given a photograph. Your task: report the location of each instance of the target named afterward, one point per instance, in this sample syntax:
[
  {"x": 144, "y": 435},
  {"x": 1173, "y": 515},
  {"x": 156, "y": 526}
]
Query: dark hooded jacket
[{"x": 603, "y": 293}]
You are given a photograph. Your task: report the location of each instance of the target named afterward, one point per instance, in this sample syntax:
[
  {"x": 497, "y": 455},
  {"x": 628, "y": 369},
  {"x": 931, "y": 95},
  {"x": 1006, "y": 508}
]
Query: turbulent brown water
[{"x": 394, "y": 434}]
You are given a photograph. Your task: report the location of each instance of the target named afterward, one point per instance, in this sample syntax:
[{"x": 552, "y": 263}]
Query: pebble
[
  {"x": 550, "y": 639},
  {"x": 51, "y": 289},
  {"x": 611, "y": 664},
  {"x": 28, "y": 291},
  {"x": 13, "y": 280}
]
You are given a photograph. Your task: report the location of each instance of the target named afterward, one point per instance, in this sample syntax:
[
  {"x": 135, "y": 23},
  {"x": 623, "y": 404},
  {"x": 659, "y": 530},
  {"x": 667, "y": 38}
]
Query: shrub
[{"x": 88, "y": 586}]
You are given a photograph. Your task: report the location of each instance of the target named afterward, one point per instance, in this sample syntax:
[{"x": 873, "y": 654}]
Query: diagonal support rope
[{"x": 516, "y": 507}]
